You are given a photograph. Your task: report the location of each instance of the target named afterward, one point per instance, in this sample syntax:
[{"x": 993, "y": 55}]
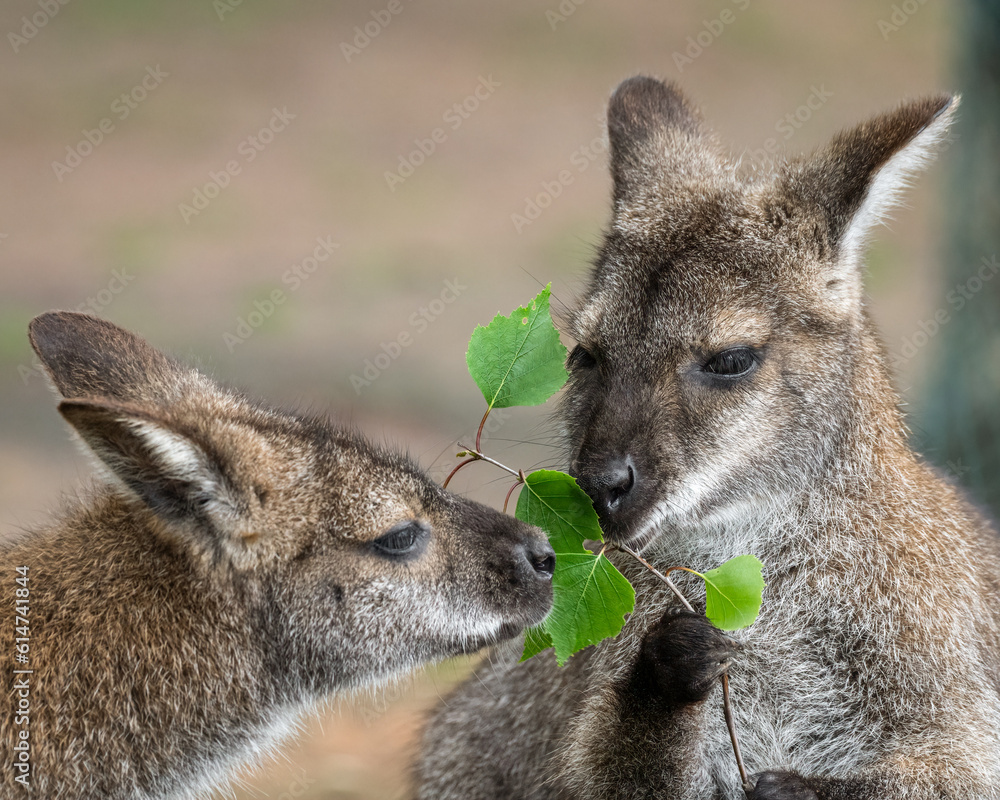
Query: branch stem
[
  {"x": 510, "y": 491},
  {"x": 660, "y": 575},
  {"x": 727, "y": 708},
  {"x": 457, "y": 468},
  {"x": 482, "y": 424},
  {"x": 475, "y": 455}
]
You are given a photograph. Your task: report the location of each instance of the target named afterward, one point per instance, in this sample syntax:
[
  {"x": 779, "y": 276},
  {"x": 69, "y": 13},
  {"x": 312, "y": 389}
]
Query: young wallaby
[
  {"x": 241, "y": 564},
  {"x": 729, "y": 395}
]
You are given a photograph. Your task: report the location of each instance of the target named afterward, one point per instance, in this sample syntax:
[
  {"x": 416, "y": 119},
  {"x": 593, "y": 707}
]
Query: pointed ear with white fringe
[
  {"x": 177, "y": 477},
  {"x": 857, "y": 179}
]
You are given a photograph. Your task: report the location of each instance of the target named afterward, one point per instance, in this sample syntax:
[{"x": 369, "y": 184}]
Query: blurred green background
[{"x": 351, "y": 92}]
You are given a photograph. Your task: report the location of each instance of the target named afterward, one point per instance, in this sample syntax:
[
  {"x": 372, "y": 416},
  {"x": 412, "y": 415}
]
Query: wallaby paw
[
  {"x": 781, "y": 786},
  {"x": 682, "y": 656}
]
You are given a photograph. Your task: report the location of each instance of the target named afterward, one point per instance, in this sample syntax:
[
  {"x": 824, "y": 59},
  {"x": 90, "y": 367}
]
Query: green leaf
[
  {"x": 518, "y": 360},
  {"x": 591, "y": 597},
  {"x": 733, "y": 593},
  {"x": 536, "y": 640}
]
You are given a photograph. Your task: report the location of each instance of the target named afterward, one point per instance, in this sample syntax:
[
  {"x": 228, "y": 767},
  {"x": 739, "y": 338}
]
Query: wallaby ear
[
  {"x": 860, "y": 176},
  {"x": 89, "y": 357},
  {"x": 178, "y": 478},
  {"x": 652, "y": 130}
]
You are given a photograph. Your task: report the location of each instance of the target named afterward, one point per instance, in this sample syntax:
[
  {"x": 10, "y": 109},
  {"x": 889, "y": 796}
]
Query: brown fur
[
  {"x": 872, "y": 672},
  {"x": 229, "y": 576}
]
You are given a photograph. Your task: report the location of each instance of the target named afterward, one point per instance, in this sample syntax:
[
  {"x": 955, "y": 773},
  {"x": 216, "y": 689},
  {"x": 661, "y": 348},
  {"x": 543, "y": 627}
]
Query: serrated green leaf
[
  {"x": 591, "y": 597},
  {"x": 733, "y": 593},
  {"x": 536, "y": 640},
  {"x": 518, "y": 360},
  {"x": 558, "y": 506}
]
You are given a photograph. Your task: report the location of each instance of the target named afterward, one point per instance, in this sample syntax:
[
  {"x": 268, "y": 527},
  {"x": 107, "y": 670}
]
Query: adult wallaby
[
  {"x": 729, "y": 395},
  {"x": 241, "y": 564}
]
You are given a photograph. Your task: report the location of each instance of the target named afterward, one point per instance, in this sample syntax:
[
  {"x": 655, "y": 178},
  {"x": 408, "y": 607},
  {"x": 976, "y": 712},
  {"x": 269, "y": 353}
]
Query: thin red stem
[
  {"x": 510, "y": 491},
  {"x": 479, "y": 433},
  {"x": 460, "y": 465}
]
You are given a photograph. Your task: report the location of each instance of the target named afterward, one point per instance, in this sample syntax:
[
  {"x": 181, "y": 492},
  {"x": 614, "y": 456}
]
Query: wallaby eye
[
  {"x": 581, "y": 358},
  {"x": 735, "y": 362},
  {"x": 405, "y": 539}
]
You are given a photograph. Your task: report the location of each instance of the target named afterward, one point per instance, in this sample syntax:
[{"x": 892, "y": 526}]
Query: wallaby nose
[
  {"x": 541, "y": 556},
  {"x": 611, "y": 488}
]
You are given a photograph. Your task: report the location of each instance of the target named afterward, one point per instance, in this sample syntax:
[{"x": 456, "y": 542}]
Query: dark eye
[
  {"x": 405, "y": 539},
  {"x": 581, "y": 358},
  {"x": 736, "y": 362}
]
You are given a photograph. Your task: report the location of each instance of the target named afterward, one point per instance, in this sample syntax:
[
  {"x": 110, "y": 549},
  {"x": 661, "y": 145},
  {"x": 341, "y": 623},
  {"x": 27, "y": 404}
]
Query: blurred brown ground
[{"x": 62, "y": 240}]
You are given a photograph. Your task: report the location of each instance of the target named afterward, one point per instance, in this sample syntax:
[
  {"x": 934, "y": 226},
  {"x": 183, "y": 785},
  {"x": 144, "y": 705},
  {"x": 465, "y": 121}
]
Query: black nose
[
  {"x": 542, "y": 558},
  {"x": 611, "y": 488}
]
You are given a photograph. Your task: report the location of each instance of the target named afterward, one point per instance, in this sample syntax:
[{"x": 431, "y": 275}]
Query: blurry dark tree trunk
[{"x": 961, "y": 419}]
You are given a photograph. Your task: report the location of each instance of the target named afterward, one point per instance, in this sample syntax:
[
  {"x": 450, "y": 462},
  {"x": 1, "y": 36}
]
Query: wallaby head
[
  {"x": 241, "y": 563},
  {"x": 374, "y": 565},
  {"x": 724, "y": 344},
  {"x": 729, "y": 395}
]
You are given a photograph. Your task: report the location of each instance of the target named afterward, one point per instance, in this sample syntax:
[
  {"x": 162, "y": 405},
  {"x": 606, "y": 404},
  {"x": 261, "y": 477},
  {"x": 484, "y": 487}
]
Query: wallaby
[
  {"x": 729, "y": 394},
  {"x": 241, "y": 564}
]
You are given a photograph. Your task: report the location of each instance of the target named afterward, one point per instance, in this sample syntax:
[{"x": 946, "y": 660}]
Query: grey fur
[
  {"x": 872, "y": 672},
  {"x": 226, "y": 578}
]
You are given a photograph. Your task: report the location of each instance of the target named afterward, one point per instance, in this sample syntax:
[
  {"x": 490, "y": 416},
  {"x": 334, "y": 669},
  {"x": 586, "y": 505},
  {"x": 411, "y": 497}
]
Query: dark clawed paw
[
  {"x": 682, "y": 656},
  {"x": 781, "y": 786}
]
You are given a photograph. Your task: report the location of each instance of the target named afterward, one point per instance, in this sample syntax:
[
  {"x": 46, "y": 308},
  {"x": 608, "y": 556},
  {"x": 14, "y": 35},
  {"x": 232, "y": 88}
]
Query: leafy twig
[{"x": 518, "y": 360}]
